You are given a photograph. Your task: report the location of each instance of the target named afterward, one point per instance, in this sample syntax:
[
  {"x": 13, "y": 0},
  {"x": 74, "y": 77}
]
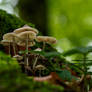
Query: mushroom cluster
[{"x": 26, "y": 37}]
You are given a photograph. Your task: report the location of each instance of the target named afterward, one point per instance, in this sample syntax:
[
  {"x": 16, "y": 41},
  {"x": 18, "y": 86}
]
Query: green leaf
[
  {"x": 65, "y": 75},
  {"x": 52, "y": 54},
  {"x": 46, "y": 54},
  {"x": 78, "y": 50}
]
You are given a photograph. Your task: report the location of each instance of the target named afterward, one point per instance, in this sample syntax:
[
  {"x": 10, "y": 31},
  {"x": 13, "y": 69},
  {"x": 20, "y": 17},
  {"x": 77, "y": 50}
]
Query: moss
[
  {"x": 9, "y": 22},
  {"x": 12, "y": 80}
]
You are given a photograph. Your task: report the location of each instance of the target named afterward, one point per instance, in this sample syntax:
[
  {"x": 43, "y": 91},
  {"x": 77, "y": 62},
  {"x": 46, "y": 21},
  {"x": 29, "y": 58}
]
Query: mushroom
[
  {"x": 18, "y": 57},
  {"x": 46, "y": 39},
  {"x": 6, "y": 43},
  {"x": 37, "y": 56},
  {"x": 25, "y": 28},
  {"x": 11, "y": 37},
  {"x": 28, "y": 36},
  {"x": 38, "y": 49},
  {"x": 40, "y": 68},
  {"x": 51, "y": 40}
]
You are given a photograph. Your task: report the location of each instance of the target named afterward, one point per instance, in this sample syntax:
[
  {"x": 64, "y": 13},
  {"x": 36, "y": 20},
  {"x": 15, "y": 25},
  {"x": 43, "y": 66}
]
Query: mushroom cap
[
  {"x": 30, "y": 44},
  {"x": 27, "y": 34},
  {"x": 40, "y": 67},
  {"x": 25, "y": 28},
  {"x": 38, "y": 49},
  {"x": 47, "y": 39},
  {"x": 41, "y": 38},
  {"x": 18, "y": 57},
  {"x": 9, "y": 36},
  {"x": 51, "y": 40},
  {"x": 5, "y": 42}
]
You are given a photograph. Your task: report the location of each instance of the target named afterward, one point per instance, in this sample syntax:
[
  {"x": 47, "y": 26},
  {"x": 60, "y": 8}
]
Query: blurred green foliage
[
  {"x": 79, "y": 50},
  {"x": 70, "y": 21},
  {"x": 12, "y": 80}
]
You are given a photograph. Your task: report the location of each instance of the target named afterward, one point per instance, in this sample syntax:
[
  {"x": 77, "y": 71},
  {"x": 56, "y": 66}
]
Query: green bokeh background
[{"x": 70, "y": 21}]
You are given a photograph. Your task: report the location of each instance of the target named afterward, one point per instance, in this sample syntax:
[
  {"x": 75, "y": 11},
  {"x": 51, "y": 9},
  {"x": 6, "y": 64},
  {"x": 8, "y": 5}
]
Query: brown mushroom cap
[
  {"x": 5, "y": 42},
  {"x": 31, "y": 35},
  {"x": 18, "y": 57},
  {"x": 47, "y": 39},
  {"x": 40, "y": 67},
  {"x": 41, "y": 38},
  {"x": 9, "y": 36},
  {"x": 51, "y": 40},
  {"x": 25, "y": 28}
]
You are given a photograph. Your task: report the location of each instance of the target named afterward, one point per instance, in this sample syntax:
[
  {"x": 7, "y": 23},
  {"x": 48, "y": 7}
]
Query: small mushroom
[
  {"x": 29, "y": 36},
  {"x": 51, "y": 40},
  {"x": 25, "y": 28},
  {"x": 11, "y": 37},
  {"x": 37, "y": 56},
  {"x": 41, "y": 38},
  {"x": 40, "y": 68},
  {"x": 18, "y": 57},
  {"x": 46, "y": 39},
  {"x": 38, "y": 49}
]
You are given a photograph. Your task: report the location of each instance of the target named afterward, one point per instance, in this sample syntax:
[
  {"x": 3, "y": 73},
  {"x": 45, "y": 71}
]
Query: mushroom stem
[
  {"x": 44, "y": 44},
  {"x": 14, "y": 46},
  {"x": 27, "y": 50},
  {"x": 35, "y": 62}
]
